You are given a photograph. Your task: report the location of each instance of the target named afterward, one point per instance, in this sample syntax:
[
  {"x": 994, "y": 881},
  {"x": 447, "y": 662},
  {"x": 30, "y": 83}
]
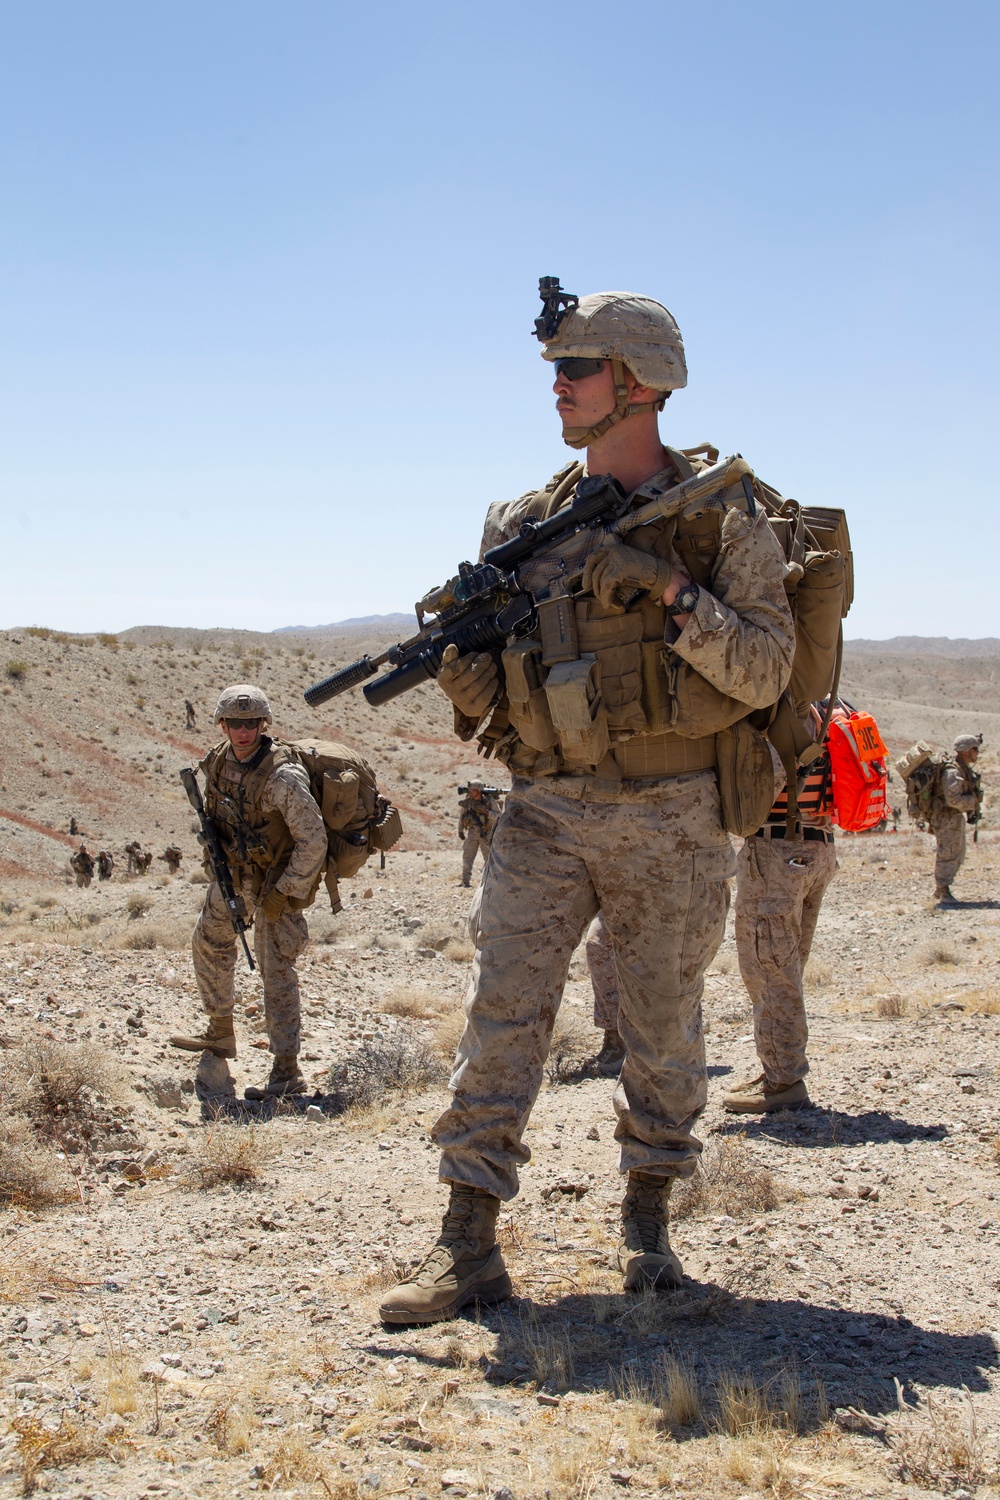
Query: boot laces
[{"x": 645, "y": 1214}]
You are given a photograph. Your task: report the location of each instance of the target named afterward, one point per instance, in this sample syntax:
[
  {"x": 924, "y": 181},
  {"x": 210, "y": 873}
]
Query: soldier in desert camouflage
[
  {"x": 634, "y": 831},
  {"x": 477, "y": 819},
  {"x": 172, "y": 857},
  {"x": 105, "y": 865},
  {"x": 82, "y": 865},
  {"x": 958, "y": 797},
  {"x": 275, "y": 844}
]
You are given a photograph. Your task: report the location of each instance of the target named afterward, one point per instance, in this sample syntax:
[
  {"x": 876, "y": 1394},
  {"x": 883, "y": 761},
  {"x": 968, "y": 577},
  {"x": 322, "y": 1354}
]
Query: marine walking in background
[
  {"x": 479, "y": 810},
  {"x": 82, "y": 865},
  {"x": 105, "y": 865},
  {"x": 650, "y": 637},
  {"x": 957, "y": 802}
]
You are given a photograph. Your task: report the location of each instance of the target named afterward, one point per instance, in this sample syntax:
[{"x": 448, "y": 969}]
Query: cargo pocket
[
  {"x": 775, "y": 942},
  {"x": 348, "y": 851}
]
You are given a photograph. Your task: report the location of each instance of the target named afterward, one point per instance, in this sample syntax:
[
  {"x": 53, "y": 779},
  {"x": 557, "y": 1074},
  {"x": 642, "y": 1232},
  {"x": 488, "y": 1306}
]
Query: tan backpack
[{"x": 359, "y": 820}]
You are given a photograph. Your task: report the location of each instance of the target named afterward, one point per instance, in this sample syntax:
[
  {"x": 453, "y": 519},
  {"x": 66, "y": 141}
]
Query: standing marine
[
  {"x": 105, "y": 865},
  {"x": 607, "y": 719},
  {"x": 478, "y": 814},
  {"x": 958, "y": 797},
  {"x": 275, "y": 844},
  {"x": 189, "y": 714},
  {"x": 82, "y": 865}
]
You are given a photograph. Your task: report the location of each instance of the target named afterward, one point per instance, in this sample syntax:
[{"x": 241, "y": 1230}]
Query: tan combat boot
[
  {"x": 608, "y": 1061},
  {"x": 464, "y": 1266},
  {"x": 943, "y": 895},
  {"x": 757, "y": 1097},
  {"x": 285, "y": 1079},
  {"x": 644, "y": 1253},
  {"x": 218, "y": 1037}
]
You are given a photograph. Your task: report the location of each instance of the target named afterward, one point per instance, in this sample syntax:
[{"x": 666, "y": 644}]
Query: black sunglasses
[
  {"x": 243, "y": 723},
  {"x": 578, "y": 369}
]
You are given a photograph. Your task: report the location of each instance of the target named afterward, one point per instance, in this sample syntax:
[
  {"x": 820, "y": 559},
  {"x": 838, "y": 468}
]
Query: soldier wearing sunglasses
[
  {"x": 274, "y": 839},
  {"x": 606, "y": 719}
]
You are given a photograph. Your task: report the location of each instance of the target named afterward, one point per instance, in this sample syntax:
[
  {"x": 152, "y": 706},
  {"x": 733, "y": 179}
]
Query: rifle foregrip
[{"x": 339, "y": 682}]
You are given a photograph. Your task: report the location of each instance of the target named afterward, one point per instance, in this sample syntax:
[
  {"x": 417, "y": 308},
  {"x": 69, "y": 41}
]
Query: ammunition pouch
[
  {"x": 580, "y": 719},
  {"x": 746, "y": 778}
]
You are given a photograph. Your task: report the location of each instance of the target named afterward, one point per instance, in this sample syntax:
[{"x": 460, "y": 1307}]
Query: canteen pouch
[
  {"x": 746, "y": 778},
  {"x": 528, "y": 705},
  {"x": 818, "y": 603},
  {"x": 573, "y": 690}
]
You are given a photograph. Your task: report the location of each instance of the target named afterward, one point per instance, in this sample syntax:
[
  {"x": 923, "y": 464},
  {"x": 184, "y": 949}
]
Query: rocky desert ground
[{"x": 189, "y": 1307}]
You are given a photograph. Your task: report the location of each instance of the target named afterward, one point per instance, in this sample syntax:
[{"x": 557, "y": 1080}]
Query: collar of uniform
[
  {"x": 250, "y": 765},
  {"x": 652, "y": 488}
]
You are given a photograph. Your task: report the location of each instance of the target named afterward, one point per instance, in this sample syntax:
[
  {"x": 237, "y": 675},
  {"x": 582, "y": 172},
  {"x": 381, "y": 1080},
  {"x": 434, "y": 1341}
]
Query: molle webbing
[{"x": 663, "y": 755}]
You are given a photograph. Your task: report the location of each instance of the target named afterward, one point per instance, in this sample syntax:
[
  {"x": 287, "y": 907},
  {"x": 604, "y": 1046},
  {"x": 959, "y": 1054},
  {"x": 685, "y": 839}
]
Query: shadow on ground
[
  {"x": 824, "y": 1127},
  {"x": 617, "y": 1343}
]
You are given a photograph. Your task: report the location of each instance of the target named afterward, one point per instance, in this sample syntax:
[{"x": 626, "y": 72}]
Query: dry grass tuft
[
  {"x": 41, "y": 1447},
  {"x": 138, "y": 905},
  {"x": 459, "y": 950},
  {"x": 231, "y": 1423},
  {"x": 728, "y": 1180},
  {"x": 31, "y": 1174},
  {"x": 232, "y": 1156},
  {"x": 397, "y": 1064},
  {"x": 938, "y": 1443},
  {"x": 549, "y": 1353},
  {"x": 572, "y": 1050},
  {"x": 414, "y": 1004},
  {"x": 892, "y": 1007},
  {"x": 937, "y": 953},
  {"x": 294, "y": 1461}
]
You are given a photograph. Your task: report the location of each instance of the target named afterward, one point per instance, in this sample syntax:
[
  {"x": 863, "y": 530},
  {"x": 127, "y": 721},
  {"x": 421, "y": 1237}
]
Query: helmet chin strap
[{"x": 582, "y": 437}]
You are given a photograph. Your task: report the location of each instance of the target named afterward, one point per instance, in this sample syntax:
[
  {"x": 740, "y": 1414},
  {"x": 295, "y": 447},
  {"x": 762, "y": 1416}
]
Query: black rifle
[
  {"x": 487, "y": 603},
  {"x": 209, "y": 837}
]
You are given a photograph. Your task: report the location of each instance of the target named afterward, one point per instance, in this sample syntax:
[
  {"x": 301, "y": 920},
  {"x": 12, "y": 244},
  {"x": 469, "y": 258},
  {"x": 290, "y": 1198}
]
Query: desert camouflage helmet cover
[
  {"x": 242, "y": 701},
  {"x": 622, "y": 325},
  {"x": 968, "y": 742},
  {"x": 476, "y": 786}
]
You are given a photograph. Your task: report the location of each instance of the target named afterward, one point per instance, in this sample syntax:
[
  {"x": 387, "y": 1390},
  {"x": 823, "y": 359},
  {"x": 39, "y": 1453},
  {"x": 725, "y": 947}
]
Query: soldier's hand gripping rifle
[
  {"x": 209, "y": 837},
  {"x": 487, "y": 602}
]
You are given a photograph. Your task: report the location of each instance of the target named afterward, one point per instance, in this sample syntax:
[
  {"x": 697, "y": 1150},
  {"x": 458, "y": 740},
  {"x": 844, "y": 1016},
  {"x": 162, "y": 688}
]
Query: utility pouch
[
  {"x": 557, "y": 628},
  {"x": 340, "y": 797},
  {"x": 616, "y": 641},
  {"x": 656, "y": 699},
  {"x": 746, "y": 778},
  {"x": 573, "y": 690},
  {"x": 528, "y": 705},
  {"x": 348, "y": 852}
]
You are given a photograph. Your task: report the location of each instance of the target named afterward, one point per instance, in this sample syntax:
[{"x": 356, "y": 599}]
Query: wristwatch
[{"x": 685, "y": 601}]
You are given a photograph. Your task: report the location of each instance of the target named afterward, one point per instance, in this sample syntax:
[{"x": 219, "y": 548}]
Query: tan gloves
[
  {"x": 469, "y": 681},
  {"x": 616, "y": 574},
  {"x": 274, "y": 904}
]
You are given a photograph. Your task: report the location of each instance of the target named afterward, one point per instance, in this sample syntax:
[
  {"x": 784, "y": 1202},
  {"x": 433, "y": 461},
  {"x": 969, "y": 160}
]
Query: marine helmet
[
  {"x": 634, "y": 332},
  {"x": 477, "y": 785},
  {"x": 967, "y": 742},
  {"x": 241, "y": 700}
]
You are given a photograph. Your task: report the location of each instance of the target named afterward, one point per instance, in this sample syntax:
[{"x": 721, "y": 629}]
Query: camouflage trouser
[
  {"x": 779, "y": 888},
  {"x": 603, "y": 974},
  {"x": 276, "y": 946},
  {"x": 83, "y": 879},
  {"x": 655, "y": 859},
  {"x": 471, "y": 845},
  {"x": 949, "y": 832}
]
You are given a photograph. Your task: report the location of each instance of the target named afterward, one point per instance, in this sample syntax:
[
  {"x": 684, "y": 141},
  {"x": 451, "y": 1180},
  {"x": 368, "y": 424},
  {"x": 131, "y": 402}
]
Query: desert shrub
[
  {"x": 42, "y": 1446},
  {"x": 727, "y": 1180},
  {"x": 137, "y": 905},
  {"x": 400, "y": 1063},
  {"x": 892, "y": 1007},
  {"x": 572, "y": 1050},
  {"x": 111, "y": 641},
  {"x": 937, "y": 953},
  {"x": 937, "y": 1443},
  {"x": 415, "y": 1005},
  {"x": 143, "y": 940},
  {"x": 232, "y": 1156},
  {"x": 72, "y": 1094},
  {"x": 42, "y": 632},
  {"x": 31, "y": 1174},
  {"x": 17, "y": 671}
]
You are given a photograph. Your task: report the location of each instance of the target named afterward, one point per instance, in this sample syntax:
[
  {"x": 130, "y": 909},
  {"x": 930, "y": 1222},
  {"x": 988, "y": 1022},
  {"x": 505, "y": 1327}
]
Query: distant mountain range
[
  {"x": 359, "y": 622},
  {"x": 929, "y": 645}
]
